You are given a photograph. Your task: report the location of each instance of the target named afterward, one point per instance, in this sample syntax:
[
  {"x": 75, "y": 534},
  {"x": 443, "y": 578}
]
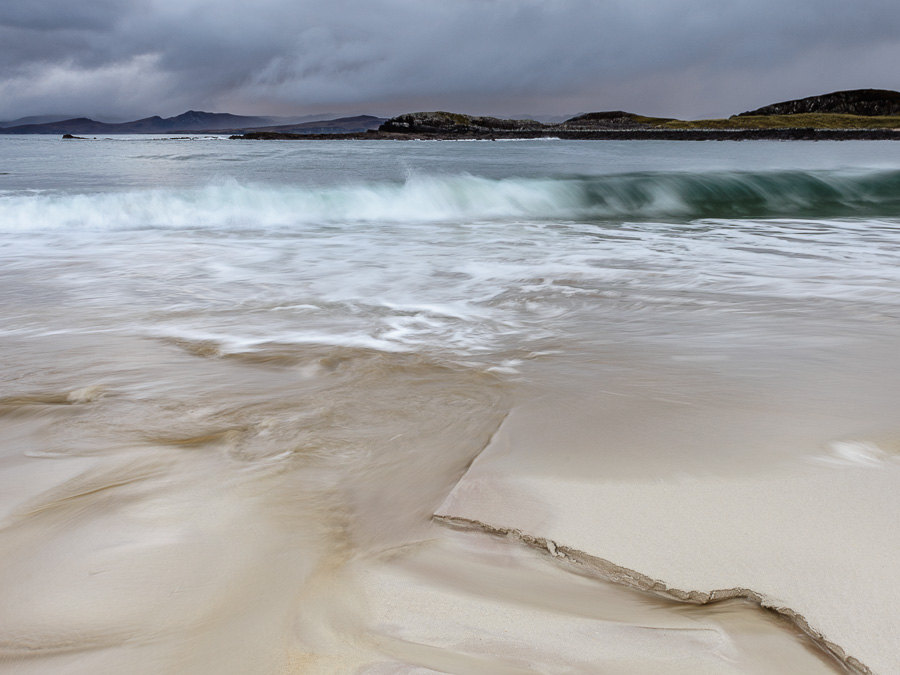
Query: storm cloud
[{"x": 688, "y": 58}]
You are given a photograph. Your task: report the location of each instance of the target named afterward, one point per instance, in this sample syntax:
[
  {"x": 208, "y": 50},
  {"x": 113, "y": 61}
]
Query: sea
[{"x": 238, "y": 377}]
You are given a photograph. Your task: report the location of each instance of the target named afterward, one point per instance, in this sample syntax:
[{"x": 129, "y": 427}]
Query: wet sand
[
  {"x": 174, "y": 508},
  {"x": 780, "y": 484}
]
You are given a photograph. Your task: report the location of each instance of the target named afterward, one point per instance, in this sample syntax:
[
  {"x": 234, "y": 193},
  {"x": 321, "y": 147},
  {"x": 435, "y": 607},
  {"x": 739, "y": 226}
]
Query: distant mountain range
[
  {"x": 342, "y": 125},
  {"x": 192, "y": 121},
  {"x": 35, "y": 119},
  {"x": 858, "y": 109}
]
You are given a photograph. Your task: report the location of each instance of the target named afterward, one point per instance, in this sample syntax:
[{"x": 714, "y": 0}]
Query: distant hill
[
  {"x": 456, "y": 123},
  {"x": 613, "y": 119},
  {"x": 191, "y": 121},
  {"x": 866, "y": 102},
  {"x": 625, "y": 125},
  {"x": 446, "y": 122},
  {"x": 544, "y": 119},
  {"x": 34, "y": 119},
  {"x": 859, "y": 110},
  {"x": 342, "y": 125},
  {"x": 194, "y": 121},
  {"x": 79, "y": 125}
]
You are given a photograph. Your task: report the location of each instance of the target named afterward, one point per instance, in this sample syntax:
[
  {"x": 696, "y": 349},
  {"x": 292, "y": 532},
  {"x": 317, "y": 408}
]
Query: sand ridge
[{"x": 604, "y": 569}]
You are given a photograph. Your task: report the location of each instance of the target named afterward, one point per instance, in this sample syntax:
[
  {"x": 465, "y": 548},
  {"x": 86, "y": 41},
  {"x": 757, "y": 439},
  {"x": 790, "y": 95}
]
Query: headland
[{"x": 863, "y": 114}]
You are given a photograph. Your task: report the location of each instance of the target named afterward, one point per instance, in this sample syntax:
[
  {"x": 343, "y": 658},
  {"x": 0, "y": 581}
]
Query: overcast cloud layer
[{"x": 687, "y": 58}]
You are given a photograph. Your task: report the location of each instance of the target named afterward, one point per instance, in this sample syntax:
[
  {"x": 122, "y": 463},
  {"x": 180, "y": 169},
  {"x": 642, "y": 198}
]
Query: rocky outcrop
[
  {"x": 610, "y": 119},
  {"x": 867, "y": 102},
  {"x": 599, "y": 134},
  {"x": 455, "y": 123},
  {"x": 446, "y": 124}
]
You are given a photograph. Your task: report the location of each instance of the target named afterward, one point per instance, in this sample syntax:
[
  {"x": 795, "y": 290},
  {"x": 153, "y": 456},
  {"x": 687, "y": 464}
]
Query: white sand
[
  {"x": 209, "y": 528},
  {"x": 819, "y": 538},
  {"x": 470, "y": 603}
]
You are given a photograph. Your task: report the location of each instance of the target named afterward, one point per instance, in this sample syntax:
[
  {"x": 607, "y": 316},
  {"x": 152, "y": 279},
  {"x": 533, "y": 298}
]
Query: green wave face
[
  {"x": 789, "y": 194},
  {"x": 463, "y": 198}
]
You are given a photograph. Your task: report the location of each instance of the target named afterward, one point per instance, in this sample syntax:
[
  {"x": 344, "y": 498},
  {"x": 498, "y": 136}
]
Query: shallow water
[{"x": 239, "y": 377}]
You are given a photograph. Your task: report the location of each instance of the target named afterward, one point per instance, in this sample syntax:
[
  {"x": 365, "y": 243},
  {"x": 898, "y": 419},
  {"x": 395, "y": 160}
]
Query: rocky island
[{"x": 861, "y": 114}]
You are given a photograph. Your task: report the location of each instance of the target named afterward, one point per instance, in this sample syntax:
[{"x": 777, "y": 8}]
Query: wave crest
[{"x": 466, "y": 198}]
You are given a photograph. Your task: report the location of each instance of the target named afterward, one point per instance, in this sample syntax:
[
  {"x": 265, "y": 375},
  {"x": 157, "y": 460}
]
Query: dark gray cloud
[
  {"x": 127, "y": 58},
  {"x": 49, "y": 16}
]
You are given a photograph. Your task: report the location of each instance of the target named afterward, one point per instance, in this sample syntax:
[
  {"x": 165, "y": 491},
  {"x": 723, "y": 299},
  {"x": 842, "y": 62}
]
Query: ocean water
[{"x": 237, "y": 373}]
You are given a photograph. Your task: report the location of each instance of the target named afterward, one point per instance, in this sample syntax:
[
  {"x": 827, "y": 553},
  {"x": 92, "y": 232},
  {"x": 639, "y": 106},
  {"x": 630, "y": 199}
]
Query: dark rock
[
  {"x": 610, "y": 119},
  {"x": 600, "y": 134},
  {"x": 868, "y": 102},
  {"x": 446, "y": 124},
  {"x": 454, "y": 123},
  {"x": 67, "y": 137}
]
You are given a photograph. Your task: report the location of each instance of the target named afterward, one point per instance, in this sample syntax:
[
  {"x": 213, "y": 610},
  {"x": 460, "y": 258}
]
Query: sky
[{"x": 126, "y": 59}]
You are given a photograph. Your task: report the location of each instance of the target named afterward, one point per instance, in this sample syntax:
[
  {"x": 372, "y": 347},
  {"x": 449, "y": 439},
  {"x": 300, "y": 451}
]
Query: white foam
[
  {"x": 459, "y": 263},
  {"x": 230, "y": 205},
  {"x": 854, "y": 453}
]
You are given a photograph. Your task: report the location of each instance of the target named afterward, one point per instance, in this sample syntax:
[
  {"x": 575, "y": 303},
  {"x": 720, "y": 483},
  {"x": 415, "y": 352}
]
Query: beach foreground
[
  {"x": 807, "y": 535},
  {"x": 211, "y": 529}
]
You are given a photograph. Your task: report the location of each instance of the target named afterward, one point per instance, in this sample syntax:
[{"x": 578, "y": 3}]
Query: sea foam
[{"x": 465, "y": 198}]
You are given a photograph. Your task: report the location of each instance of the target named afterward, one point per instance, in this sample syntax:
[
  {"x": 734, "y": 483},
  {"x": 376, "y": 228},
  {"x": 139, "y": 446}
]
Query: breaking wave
[{"x": 466, "y": 198}]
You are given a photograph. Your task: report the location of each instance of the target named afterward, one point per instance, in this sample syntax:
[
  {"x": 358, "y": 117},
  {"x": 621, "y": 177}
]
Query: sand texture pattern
[{"x": 816, "y": 545}]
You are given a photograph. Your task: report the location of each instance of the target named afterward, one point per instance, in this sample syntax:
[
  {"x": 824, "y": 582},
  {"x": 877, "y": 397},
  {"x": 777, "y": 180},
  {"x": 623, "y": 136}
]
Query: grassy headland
[
  {"x": 800, "y": 121},
  {"x": 864, "y": 114}
]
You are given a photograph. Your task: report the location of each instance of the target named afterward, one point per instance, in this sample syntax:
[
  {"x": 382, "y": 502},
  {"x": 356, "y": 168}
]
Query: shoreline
[{"x": 790, "y": 134}]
